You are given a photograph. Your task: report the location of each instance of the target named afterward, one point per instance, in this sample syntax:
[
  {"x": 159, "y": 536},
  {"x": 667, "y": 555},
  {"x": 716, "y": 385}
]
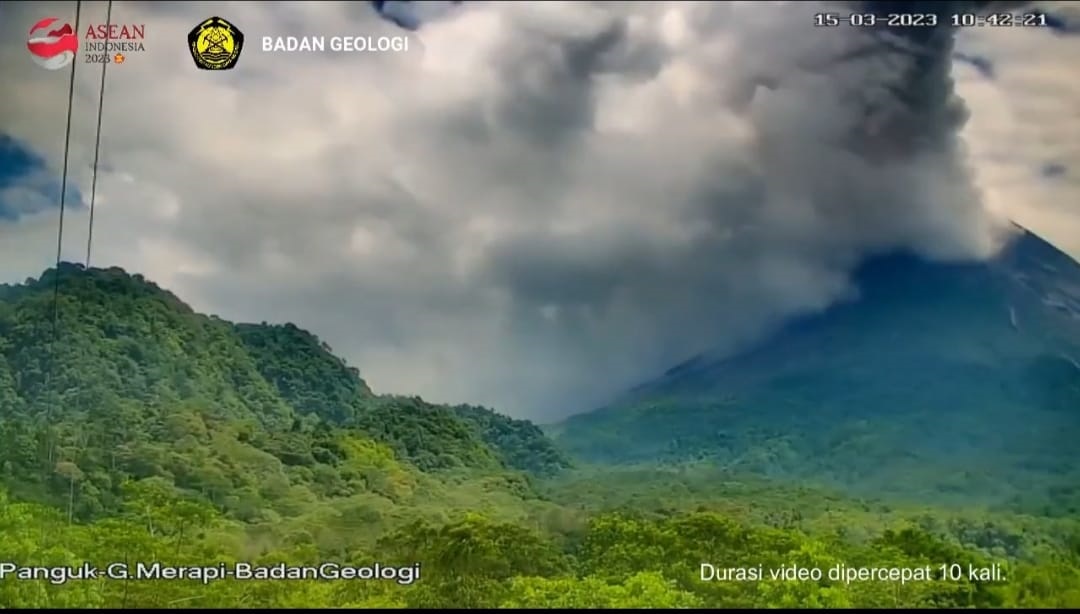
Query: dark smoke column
[{"x": 929, "y": 114}]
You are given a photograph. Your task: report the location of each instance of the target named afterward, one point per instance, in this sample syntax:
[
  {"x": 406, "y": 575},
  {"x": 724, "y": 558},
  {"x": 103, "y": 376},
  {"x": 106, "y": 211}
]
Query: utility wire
[
  {"x": 51, "y": 358},
  {"x": 97, "y": 138},
  {"x": 63, "y": 185}
]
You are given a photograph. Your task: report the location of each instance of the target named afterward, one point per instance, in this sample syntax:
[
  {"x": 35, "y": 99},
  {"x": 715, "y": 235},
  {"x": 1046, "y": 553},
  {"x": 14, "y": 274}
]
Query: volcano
[{"x": 939, "y": 381}]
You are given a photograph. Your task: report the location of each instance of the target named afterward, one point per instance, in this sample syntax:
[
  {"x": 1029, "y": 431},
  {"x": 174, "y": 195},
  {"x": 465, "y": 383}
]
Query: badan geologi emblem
[{"x": 215, "y": 44}]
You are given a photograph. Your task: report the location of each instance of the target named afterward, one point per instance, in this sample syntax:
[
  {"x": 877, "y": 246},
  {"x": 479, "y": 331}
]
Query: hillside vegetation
[
  {"x": 137, "y": 430},
  {"x": 947, "y": 383}
]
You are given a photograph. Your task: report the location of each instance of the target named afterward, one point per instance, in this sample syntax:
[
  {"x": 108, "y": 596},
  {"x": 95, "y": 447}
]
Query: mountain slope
[
  {"x": 941, "y": 380},
  {"x": 315, "y": 382},
  {"x": 132, "y": 384},
  {"x": 304, "y": 370},
  {"x": 186, "y": 440}
]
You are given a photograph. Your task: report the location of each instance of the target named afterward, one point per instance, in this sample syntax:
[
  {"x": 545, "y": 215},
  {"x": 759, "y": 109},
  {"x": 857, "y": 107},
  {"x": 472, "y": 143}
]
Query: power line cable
[
  {"x": 51, "y": 357},
  {"x": 63, "y": 184},
  {"x": 97, "y": 138}
]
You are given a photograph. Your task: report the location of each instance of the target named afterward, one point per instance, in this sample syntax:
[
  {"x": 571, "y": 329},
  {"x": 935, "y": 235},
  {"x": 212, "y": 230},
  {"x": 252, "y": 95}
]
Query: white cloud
[
  {"x": 1025, "y": 118},
  {"x": 548, "y": 203}
]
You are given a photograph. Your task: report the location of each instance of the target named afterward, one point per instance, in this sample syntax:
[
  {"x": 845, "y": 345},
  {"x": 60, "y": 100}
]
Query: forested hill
[
  {"x": 138, "y": 385},
  {"x": 149, "y": 433}
]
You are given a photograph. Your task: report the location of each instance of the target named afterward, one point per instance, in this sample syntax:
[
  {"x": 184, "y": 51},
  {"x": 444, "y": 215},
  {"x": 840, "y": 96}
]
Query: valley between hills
[{"x": 139, "y": 430}]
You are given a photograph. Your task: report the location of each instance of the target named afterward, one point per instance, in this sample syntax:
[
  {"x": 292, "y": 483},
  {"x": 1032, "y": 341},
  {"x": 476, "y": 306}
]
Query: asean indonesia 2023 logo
[{"x": 52, "y": 45}]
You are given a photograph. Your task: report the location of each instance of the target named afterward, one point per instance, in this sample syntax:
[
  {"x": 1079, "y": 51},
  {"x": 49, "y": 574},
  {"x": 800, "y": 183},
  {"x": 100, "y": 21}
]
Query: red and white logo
[{"x": 52, "y": 47}]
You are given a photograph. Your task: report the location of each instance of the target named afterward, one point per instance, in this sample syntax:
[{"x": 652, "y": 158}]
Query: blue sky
[{"x": 28, "y": 185}]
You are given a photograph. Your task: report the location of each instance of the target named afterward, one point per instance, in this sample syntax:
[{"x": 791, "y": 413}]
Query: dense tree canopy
[{"x": 145, "y": 432}]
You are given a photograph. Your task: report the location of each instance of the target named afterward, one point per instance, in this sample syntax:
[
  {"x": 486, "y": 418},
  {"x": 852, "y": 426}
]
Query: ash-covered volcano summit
[{"x": 937, "y": 380}]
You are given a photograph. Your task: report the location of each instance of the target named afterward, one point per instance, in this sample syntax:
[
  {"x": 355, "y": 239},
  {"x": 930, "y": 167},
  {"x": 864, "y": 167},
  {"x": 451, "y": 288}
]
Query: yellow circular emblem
[{"x": 215, "y": 44}]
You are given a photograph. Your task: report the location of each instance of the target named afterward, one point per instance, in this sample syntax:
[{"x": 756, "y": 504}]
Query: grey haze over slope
[
  {"x": 1023, "y": 304},
  {"x": 947, "y": 376}
]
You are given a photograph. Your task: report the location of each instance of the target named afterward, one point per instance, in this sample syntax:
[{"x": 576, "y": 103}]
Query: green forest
[{"x": 136, "y": 431}]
